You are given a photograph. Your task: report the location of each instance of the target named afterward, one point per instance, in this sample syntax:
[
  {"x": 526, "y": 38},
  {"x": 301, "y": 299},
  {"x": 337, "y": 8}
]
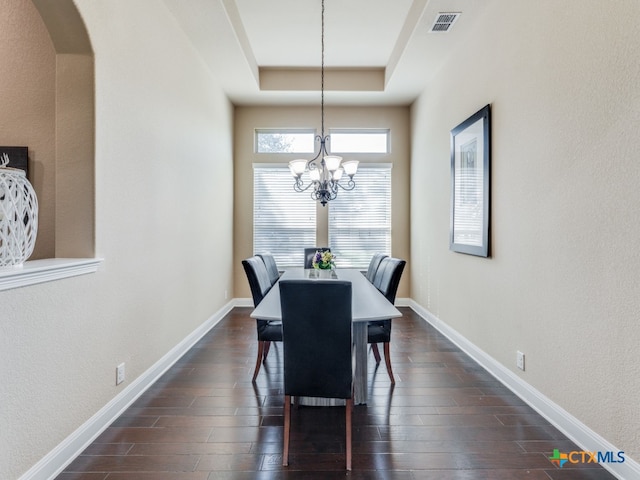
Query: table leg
[{"x": 360, "y": 380}]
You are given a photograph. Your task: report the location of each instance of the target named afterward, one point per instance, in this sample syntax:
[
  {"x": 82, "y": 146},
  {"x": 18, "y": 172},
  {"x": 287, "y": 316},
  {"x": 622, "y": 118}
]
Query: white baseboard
[
  {"x": 570, "y": 426},
  {"x": 61, "y": 456},
  {"x": 403, "y": 302},
  {"x": 243, "y": 302}
]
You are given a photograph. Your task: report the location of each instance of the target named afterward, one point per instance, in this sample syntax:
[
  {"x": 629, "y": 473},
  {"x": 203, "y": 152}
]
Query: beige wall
[
  {"x": 247, "y": 119},
  {"x": 75, "y": 151},
  {"x": 561, "y": 285},
  {"x": 163, "y": 209}
]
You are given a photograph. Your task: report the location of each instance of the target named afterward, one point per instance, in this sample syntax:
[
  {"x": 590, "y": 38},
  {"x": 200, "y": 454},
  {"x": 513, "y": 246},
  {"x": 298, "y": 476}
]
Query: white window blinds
[
  {"x": 284, "y": 221},
  {"x": 360, "y": 220}
]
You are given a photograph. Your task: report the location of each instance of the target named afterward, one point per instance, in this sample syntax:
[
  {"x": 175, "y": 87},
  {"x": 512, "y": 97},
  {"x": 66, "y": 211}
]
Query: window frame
[
  {"x": 359, "y": 131},
  {"x": 283, "y": 131}
]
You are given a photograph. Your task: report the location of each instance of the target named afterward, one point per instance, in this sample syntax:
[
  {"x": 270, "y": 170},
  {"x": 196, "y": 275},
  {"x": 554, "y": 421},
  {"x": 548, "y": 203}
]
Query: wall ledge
[{"x": 45, "y": 270}]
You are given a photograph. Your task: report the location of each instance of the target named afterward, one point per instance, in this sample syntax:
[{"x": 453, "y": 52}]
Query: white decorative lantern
[{"x": 18, "y": 215}]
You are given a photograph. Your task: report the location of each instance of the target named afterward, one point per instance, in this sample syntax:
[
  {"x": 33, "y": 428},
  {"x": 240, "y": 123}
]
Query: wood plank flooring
[{"x": 446, "y": 419}]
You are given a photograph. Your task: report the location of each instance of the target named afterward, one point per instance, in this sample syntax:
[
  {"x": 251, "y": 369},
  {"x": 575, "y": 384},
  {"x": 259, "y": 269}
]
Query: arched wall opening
[{"x": 48, "y": 105}]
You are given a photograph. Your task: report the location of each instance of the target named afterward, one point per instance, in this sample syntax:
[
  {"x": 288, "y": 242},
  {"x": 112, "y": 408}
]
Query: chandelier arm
[
  {"x": 299, "y": 187},
  {"x": 350, "y": 185}
]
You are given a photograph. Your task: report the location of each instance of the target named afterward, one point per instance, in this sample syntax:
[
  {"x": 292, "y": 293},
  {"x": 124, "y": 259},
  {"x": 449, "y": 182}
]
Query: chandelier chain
[
  {"x": 322, "y": 75},
  {"x": 325, "y": 170}
]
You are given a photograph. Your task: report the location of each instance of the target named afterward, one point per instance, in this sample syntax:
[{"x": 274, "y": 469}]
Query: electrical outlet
[
  {"x": 520, "y": 360},
  {"x": 120, "y": 374},
  {"x": 226, "y": 294}
]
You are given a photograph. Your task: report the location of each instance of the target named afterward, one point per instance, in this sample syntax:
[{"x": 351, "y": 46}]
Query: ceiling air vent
[{"x": 444, "y": 21}]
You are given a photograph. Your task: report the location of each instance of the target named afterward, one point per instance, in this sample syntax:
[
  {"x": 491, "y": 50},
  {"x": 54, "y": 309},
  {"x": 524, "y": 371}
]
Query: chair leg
[
  {"x": 259, "y": 360},
  {"x": 287, "y": 428},
  {"x": 267, "y": 346},
  {"x": 348, "y": 408},
  {"x": 376, "y": 352},
  {"x": 387, "y": 359}
]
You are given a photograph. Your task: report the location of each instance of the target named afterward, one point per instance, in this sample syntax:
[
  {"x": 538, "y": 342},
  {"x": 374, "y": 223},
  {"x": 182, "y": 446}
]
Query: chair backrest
[
  {"x": 272, "y": 267},
  {"x": 310, "y": 252},
  {"x": 373, "y": 265},
  {"x": 316, "y": 338},
  {"x": 258, "y": 278},
  {"x": 387, "y": 277}
]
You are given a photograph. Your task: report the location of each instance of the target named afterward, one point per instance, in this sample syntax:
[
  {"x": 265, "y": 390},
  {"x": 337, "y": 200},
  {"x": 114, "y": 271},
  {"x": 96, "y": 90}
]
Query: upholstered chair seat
[
  {"x": 271, "y": 266},
  {"x": 268, "y": 331},
  {"x": 318, "y": 348},
  {"x": 373, "y": 265},
  {"x": 386, "y": 280}
]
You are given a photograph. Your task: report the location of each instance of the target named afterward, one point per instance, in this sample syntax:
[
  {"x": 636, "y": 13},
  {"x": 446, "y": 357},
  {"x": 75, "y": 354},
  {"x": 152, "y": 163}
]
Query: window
[
  {"x": 359, "y": 141},
  {"x": 282, "y": 224},
  {"x": 360, "y": 220},
  {"x": 284, "y": 141}
]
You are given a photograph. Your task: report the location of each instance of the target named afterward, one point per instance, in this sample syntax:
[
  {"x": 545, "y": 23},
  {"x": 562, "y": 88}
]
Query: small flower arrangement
[{"x": 323, "y": 260}]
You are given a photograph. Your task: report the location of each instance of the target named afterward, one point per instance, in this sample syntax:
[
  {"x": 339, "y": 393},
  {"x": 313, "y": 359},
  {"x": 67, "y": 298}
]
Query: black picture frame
[
  {"x": 18, "y": 157},
  {"x": 470, "y": 184}
]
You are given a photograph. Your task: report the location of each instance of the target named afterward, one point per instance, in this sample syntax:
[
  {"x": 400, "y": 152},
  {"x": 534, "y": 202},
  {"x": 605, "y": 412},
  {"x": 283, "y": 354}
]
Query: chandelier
[{"x": 325, "y": 171}]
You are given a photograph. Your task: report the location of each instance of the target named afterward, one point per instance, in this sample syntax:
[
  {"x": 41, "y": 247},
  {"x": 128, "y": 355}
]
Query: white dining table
[{"x": 368, "y": 304}]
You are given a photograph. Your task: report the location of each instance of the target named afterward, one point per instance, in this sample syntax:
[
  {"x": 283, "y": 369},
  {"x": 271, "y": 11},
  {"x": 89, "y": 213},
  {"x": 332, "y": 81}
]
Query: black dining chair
[
  {"x": 268, "y": 331},
  {"x": 272, "y": 267},
  {"x": 373, "y": 265},
  {"x": 386, "y": 280},
  {"x": 310, "y": 252},
  {"x": 317, "y": 343}
]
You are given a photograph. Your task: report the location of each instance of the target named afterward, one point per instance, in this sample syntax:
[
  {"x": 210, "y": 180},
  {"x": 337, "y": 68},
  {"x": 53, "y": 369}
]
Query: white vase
[{"x": 18, "y": 217}]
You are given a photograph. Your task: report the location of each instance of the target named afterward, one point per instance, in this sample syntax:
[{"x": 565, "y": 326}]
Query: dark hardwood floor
[{"x": 446, "y": 419}]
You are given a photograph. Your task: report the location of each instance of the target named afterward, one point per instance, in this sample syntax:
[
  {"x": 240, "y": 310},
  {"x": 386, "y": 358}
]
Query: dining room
[
  {"x": 436, "y": 413},
  {"x": 131, "y": 327}
]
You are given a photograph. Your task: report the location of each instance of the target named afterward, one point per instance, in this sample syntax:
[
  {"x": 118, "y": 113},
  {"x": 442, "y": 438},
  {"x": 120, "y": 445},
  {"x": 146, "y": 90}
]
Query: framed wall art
[{"x": 470, "y": 184}]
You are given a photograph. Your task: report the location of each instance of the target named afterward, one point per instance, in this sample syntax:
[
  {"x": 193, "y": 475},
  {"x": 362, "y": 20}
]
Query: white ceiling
[{"x": 386, "y": 42}]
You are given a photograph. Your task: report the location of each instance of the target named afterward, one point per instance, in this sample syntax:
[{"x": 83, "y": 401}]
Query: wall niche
[{"x": 47, "y": 80}]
